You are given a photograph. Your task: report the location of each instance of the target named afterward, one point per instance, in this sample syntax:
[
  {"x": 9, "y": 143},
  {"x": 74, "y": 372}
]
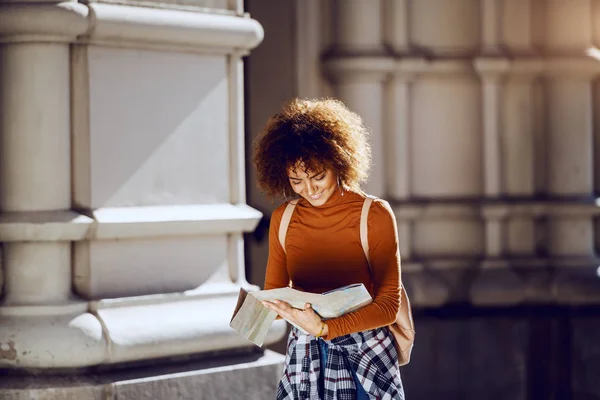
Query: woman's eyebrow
[{"x": 310, "y": 177}]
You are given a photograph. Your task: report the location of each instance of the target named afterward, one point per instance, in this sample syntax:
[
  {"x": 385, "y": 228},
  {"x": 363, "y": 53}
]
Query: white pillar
[
  {"x": 492, "y": 73},
  {"x": 45, "y": 326},
  {"x": 518, "y": 32},
  {"x": 132, "y": 163},
  {"x": 34, "y": 150},
  {"x": 398, "y": 133},
  {"x": 35, "y": 164},
  {"x": 365, "y": 96},
  {"x": 396, "y": 24},
  {"x": 490, "y": 26},
  {"x": 357, "y": 25},
  {"x": 519, "y": 156},
  {"x": 358, "y": 31},
  {"x": 570, "y": 161},
  {"x": 446, "y": 28}
]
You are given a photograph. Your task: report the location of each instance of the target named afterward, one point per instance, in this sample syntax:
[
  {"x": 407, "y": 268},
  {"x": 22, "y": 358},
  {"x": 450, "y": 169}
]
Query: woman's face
[{"x": 315, "y": 186}]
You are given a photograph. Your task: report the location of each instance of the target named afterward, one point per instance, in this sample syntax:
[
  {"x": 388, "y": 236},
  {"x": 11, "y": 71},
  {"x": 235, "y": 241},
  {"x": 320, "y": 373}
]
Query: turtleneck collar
[{"x": 336, "y": 198}]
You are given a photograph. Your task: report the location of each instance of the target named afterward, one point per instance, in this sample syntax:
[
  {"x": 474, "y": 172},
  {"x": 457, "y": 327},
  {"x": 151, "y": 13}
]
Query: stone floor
[{"x": 242, "y": 377}]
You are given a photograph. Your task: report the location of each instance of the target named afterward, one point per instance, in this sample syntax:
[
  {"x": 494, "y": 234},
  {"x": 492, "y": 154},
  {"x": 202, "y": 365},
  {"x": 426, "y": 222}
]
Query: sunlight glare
[{"x": 593, "y": 52}]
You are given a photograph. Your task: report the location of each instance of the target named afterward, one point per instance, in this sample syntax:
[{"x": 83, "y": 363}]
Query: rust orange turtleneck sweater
[{"x": 324, "y": 252}]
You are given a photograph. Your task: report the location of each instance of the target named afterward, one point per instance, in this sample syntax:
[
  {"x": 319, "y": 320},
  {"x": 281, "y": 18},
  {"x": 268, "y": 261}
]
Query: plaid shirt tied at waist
[{"x": 371, "y": 355}]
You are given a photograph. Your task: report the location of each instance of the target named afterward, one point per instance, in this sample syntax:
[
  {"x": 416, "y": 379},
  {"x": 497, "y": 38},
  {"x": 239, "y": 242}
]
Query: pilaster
[
  {"x": 357, "y": 65},
  {"x": 473, "y": 89},
  {"x": 119, "y": 206}
]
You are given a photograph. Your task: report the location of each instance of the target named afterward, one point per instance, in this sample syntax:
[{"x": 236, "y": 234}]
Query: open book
[{"x": 252, "y": 319}]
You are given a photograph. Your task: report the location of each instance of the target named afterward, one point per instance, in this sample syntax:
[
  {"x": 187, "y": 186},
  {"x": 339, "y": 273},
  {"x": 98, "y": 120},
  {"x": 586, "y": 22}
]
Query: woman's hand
[{"x": 307, "y": 318}]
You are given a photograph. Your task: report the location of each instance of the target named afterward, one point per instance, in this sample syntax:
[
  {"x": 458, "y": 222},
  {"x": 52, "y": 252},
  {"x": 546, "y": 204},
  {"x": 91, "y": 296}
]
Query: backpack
[{"x": 403, "y": 330}]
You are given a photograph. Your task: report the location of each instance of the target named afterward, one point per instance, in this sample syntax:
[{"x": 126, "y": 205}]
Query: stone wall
[
  {"x": 483, "y": 118},
  {"x": 122, "y": 196}
]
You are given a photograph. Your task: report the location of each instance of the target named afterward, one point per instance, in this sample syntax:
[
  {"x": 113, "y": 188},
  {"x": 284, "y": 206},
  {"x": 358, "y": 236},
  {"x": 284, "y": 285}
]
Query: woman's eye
[
  {"x": 320, "y": 178},
  {"x": 295, "y": 183}
]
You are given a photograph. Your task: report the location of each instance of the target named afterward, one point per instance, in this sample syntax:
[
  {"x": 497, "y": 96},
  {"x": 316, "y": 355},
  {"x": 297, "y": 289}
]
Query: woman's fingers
[
  {"x": 280, "y": 307},
  {"x": 305, "y": 318}
]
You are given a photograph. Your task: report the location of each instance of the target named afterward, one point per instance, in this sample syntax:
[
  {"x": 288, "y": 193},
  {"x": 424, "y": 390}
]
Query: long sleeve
[
  {"x": 385, "y": 274},
  {"x": 276, "y": 275}
]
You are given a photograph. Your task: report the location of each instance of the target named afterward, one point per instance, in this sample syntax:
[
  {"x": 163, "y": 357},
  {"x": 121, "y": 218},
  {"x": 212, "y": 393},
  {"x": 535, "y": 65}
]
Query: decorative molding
[
  {"x": 39, "y": 22},
  {"x": 492, "y": 67},
  {"x": 579, "y": 67},
  {"x": 539, "y": 209},
  {"x": 70, "y": 340},
  {"x": 409, "y": 67},
  {"x": 374, "y": 68},
  {"x": 138, "y": 222},
  {"x": 494, "y": 209},
  {"x": 128, "y": 26},
  {"x": 415, "y": 211},
  {"x": 191, "y": 326},
  {"x": 128, "y": 222},
  {"x": 121, "y": 330},
  {"x": 132, "y": 26},
  {"x": 501, "y": 281},
  {"x": 207, "y": 6},
  {"x": 237, "y": 153},
  {"x": 43, "y": 226},
  {"x": 378, "y": 67}
]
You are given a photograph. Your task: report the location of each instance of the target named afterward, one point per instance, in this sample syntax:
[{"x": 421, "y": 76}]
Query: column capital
[
  {"x": 571, "y": 67},
  {"x": 526, "y": 68},
  {"x": 43, "y": 22},
  {"x": 492, "y": 68},
  {"x": 409, "y": 68},
  {"x": 359, "y": 69}
]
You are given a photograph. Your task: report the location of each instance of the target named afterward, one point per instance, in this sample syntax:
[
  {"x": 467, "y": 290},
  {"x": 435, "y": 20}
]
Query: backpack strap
[
  {"x": 364, "y": 234},
  {"x": 285, "y": 221}
]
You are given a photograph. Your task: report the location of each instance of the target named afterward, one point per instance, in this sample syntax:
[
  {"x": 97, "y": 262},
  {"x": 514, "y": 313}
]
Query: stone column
[
  {"x": 445, "y": 28},
  {"x": 423, "y": 287},
  {"x": 358, "y": 80},
  {"x": 122, "y": 182},
  {"x": 41, "y": 323},
  {"x": 358, "y": 26},
  {"x": 492, "y": 73},
  {"x": 521, "y": 150},
  {"x": 570, "y": 159},
  {"x": 569, "y": 151},
  {"x": 568, "y": 92},
  {"x": 397, "y": 25}
]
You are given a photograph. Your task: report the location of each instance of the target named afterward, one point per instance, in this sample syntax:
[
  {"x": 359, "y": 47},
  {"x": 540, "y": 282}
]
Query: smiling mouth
[{"x": 316, "y": 196}]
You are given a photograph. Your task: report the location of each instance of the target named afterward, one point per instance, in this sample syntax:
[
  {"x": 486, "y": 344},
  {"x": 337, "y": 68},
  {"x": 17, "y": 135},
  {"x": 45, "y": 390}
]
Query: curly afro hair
[{"x": 312, "y": 134}]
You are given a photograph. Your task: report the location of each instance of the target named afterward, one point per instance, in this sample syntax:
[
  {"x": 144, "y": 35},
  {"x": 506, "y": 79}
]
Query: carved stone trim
[
  {"x": 61, "y": 22},
  {"x": 122, "y": 25},
  {"x": 125, "y": 25},
  {"x": 128, "y": 222}
]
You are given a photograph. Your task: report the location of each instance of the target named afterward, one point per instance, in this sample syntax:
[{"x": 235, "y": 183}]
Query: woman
[{"x": 318, "y": 150}]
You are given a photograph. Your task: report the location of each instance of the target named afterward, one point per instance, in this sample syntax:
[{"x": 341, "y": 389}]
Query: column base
[
  {"x": 253, "y": 376},
  {"x": 119, "y": 331},
  {"x": 51, "y": 336}
]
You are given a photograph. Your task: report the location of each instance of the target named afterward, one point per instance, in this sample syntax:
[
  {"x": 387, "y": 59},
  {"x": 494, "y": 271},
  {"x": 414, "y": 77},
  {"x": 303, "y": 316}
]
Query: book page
[
  {"x": 330, "y": 305},
  {"x": 252, "y": 320}
]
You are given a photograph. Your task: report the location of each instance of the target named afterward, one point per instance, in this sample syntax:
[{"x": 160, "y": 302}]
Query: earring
[{"x": 340, "y": 185}]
